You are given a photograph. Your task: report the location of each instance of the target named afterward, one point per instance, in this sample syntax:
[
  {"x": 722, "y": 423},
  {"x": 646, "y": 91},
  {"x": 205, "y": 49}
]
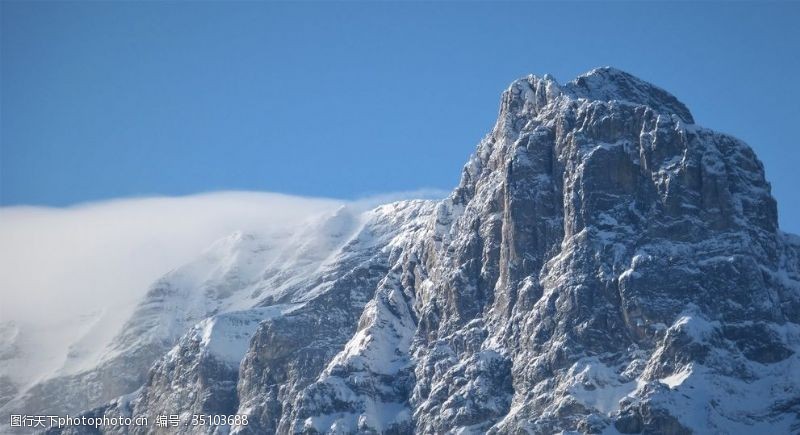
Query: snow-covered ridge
[{"x": 246, "y": 273}]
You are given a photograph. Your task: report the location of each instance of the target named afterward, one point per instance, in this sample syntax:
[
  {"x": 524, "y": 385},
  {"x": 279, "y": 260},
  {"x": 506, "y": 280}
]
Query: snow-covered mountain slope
[
  {"x": 604, "y": 266},
  {"x": 239, "y": 272},
  {"x": 72, "y": 276}
]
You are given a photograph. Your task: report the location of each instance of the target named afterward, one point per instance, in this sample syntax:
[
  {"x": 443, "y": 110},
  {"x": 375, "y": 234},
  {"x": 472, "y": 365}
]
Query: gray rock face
[{"x": 604, "y": 266}]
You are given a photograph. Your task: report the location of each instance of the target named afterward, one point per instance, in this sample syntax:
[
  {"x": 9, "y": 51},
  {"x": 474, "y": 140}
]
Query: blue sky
[{"x": 105, "y": 100}]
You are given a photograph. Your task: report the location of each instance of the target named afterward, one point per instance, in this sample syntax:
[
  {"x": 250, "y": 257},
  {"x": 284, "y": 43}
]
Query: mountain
[
  {"x": 605, "y": 265},
  {"x": 240, "y": 272}
]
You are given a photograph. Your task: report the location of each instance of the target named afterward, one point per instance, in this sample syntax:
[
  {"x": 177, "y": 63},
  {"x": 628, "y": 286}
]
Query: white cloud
[
  {"x": 56, "y": 263},
  {"x": 59, "y": 262}
]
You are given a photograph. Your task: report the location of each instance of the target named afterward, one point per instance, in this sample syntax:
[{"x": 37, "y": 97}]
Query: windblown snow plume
[{"x": 71, "y": 277}]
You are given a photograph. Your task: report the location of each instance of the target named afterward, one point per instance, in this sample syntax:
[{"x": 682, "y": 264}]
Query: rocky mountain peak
[
  {"x": 604, "y": 266},
  {"x": 609, "y": 84},
  {"x": 528, "y": 96}
]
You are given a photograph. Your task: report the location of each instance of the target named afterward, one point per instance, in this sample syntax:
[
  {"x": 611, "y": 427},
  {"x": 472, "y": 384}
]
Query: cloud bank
[{"x": 59, "y": 262}]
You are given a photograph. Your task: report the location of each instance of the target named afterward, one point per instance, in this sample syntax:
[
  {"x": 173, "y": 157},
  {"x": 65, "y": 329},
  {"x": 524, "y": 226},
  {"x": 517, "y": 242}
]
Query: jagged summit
[
  {"x": 604, "y": 84},
  {"x": 607, "y": 84}
]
